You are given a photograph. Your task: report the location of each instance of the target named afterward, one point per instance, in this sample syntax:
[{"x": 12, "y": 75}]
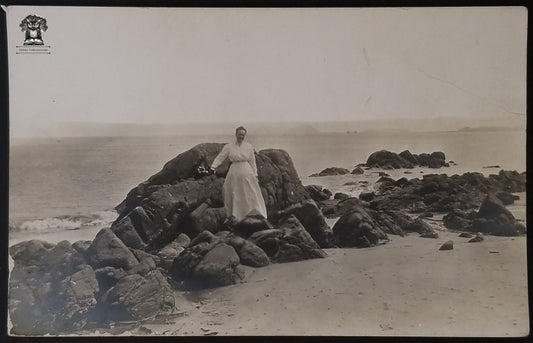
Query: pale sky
[{"x": 140, "y": 65}]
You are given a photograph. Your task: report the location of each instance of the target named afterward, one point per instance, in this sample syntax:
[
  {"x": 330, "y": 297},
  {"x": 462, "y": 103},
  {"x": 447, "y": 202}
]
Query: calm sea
[{"x": 73, "y": 183}]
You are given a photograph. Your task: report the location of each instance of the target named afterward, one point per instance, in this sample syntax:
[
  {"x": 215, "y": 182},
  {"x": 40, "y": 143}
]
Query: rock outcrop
[
  {"x": 331, "y": 171},
  {"x": 173, "y": 201},
  {"x": 389, "y": 160}
]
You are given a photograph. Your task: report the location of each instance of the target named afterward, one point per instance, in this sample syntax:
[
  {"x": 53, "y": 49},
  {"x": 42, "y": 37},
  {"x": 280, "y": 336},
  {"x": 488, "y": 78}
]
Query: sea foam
[{"x": 74, "y": 222}]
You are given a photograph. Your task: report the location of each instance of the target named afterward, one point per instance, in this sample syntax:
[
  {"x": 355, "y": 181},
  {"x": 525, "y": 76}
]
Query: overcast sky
[{"x": 259, "y": 65}]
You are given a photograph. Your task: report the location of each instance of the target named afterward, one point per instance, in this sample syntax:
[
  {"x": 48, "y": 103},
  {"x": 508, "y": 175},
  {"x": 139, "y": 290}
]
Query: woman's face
[{"x": 240, "y": 135}]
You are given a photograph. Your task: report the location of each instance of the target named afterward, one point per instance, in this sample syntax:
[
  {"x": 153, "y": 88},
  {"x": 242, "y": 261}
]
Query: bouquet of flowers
[{"x": 203, "y": 170}]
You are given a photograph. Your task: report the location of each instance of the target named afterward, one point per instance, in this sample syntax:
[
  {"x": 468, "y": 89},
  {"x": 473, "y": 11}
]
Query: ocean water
[{"x": 71, "y": 185}]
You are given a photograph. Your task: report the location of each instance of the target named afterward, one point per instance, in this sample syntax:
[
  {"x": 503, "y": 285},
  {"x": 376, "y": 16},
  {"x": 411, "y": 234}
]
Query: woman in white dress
[{"x": 241, "y": 188}]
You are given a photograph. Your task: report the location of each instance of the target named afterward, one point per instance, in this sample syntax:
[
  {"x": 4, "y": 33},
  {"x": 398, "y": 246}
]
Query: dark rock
[
  {"x": 206, "y": 218},
  {"x": 125, "y": 230},
  {"x": 476, "y": 239},
  {"x": 108, "y": 277},
  {"x": 447, "y": 246},
  {"x": 30, "y": 252},
  {"x": 251, "y": 255},
  {"x": 507, "y": 198},
  {"x": 358, "y": 171},
  {"x": 50, "y": 288},
  {"x": 138, "y": 297},
  {"x": 347, "y": 205},
  {"x": 457, "y": 220},
  {"x": 492, "y": 207},
  {"x": 406, "y": 155},
  {"x": 204, "y": 236},
  {"x": 77, "y": 293},
  {"x": 439, "y": 155},
  {"x": 108, "y": 250},
  {"x": 279, "y": 181},
  {"x": 366, "y": 196},
  {"x": 494, "y": 218},
  {"x": 81, "y": 246},
  {"x": 295, "y": 232},
  {"x": 250, "y": 224},
  {"x": 317, "y": 193},
  {"x": 288, "y": 253},
  {"x": 218, "y": 267},
  {"x": 430, "y": 234},
  {"x": 351, "y": 227},
  {"x": 520, "y": 228},
  {"x": 168, "y": 253},
  {"x": 295, "y": 235},
  {"x": 310, "y": 216},
  {"x": 419, "y": 226},
  {"x": 465, "y": 235},
  {"x": 331, "y": 171},
  {"x": 184, "y": 264},
  {"x": 383, "y": 174},
  {"x": 390, "y": 222},
  {"x": 341, "y": 196},
  {"x": 267, "y": 240},
  {"x": 143, "y": 225},
  {"x": 387, "y": 160}
]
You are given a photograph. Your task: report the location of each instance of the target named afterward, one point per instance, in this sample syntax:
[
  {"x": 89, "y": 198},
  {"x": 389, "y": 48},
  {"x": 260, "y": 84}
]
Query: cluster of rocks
[
  {"x": 389, "y": 160},
  {"x": 58, "y": 287},
  {"x": 385, "y": 159},
  {"x": 491, "y": 218},
  {"x": 441, "y": 193},
  {"x": 171, "y": 231}
]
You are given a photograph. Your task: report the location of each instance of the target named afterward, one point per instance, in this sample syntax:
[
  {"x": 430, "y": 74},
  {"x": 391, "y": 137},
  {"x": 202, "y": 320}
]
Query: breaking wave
[{"x": 75, "y": 222}]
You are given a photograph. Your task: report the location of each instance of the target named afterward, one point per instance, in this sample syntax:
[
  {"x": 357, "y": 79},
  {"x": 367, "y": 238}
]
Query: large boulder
[
  {"x": 50, "y": 288},
  {"x": 183, "y": 266},
  {"x": 77, "y": 298},
  {"x": 138, "y": 297},
  {"x": 249, "y": 253},
  {"x": 108, "y": 250},
  {"x": 252, "y": 223},
  {"x": 127, "y": 233},
  {"x": 207, "y": 218},
  {"x": 219, "y": 267},
  {"x": 295, "y": 243},
  {"x": 310, "y": 216},
  {"x": 387, "y": 160},
  {"x": 357, "y": 229},
  {"x": 494, "y": 218}
]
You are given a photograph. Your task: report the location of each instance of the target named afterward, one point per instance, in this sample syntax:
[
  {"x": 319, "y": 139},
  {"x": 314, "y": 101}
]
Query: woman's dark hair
[{"x": 240, "y": 128}]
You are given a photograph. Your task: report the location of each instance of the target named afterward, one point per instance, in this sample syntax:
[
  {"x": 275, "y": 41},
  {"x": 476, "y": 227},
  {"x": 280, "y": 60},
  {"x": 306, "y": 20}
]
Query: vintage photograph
[{"x": 267, "y": 171}]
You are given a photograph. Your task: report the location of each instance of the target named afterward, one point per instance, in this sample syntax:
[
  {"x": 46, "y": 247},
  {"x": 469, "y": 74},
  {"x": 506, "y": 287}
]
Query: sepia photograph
[{"x": 267, "y": 171}]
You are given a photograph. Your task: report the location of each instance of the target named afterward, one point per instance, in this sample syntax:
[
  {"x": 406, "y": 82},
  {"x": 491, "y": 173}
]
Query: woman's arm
[
  {"x": 221, "y": 157},
  {"x": 252, "y": 160}
]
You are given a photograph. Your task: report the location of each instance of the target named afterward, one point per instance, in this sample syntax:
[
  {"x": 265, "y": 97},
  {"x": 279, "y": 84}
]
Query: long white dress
[{"x": 241, "y": 189}]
